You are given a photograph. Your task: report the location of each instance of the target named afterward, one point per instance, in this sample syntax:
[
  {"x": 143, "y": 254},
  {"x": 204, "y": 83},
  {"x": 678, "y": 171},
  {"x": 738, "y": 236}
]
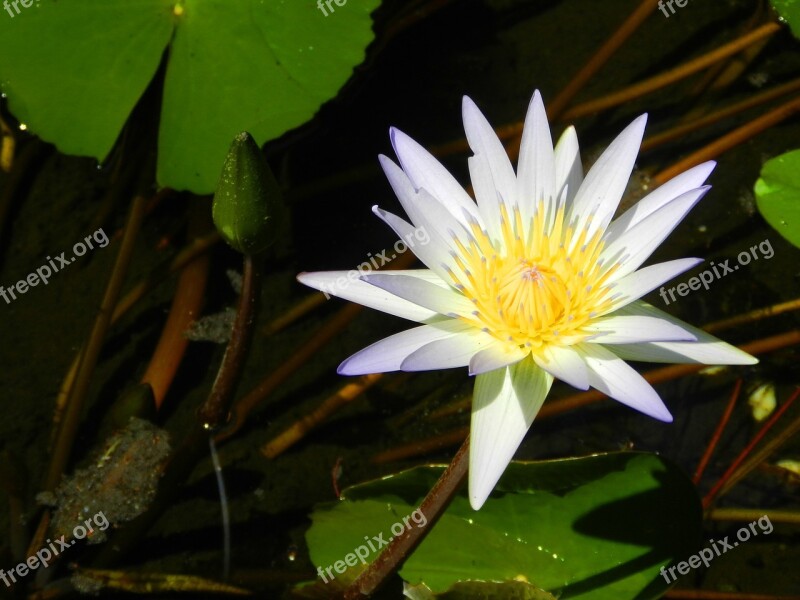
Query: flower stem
[
  {"x": 214, "y": 412},
  {"x": 434, "y": 504}
]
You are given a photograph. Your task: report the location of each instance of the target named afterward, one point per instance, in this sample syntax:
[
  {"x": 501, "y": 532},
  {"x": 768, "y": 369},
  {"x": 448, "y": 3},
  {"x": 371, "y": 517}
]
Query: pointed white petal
[
  {"x": 569, "y": 169},
  {"x": 489, "y": 200},
  {"x": 491, "y": 172},
  {"x": 601, "y": 191},
  {"x": 403, "y": 188},
  {"x": 636, "y": 245},
  {"x": 504, "y": 404},
  {"x": 677, "y": 186},
  {"x": 389, "y": 353},
  {"x": 428, "y": 173},
  {"x": 536, "y": 167},
  {"x": 426, "y": 212},
  {"x": 615, "y": 378},
  {"x": 496, "y": 356},
  {"x": 449, "y": 352},
  {"x": 434, "y": 254},
  {"x": 444, "y": 301},
  {"x": 346, "y": 285},
  {"x": 424, "y": 274},
  {"x": 645, "y": 280},
  {"x": 630, "y": 329},
  {"x": 565, "y": 364},
  {"x": 707, "y": 350}
]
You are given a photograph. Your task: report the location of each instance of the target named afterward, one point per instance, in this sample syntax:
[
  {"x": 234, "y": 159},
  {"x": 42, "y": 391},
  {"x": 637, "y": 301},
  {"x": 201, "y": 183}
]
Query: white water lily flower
[{"x": 535, "y": 281}]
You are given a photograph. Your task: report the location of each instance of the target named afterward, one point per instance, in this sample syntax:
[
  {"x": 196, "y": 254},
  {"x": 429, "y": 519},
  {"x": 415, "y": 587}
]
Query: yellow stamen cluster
[{"x": 540, "y": 288}]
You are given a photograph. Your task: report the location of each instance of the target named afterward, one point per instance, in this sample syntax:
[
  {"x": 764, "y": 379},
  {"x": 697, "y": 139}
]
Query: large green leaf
[
  {"x": 789, "y": 10},
  {"x": 778, "y": 194},
  {"x": 73, "y": 70},
  {"x": 599, "y": 527}
]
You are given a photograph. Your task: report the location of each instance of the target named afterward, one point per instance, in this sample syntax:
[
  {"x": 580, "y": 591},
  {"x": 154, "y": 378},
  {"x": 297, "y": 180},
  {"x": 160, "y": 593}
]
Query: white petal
[
  {"x": 444, "y": 233},
  {"x": 677, "y": 186},
  {"x": 496, "y": 356},
  {"x": 403, "y": 188},
  {"x": 389, "y": 353},
  {"x": 449, "y": 352},
  {"x": 345, "y": 284},
  {"x": 569, "y": 169},
  {"x": 565, "y": 364},
  {"x": 504, "y": 404},
  {"x": 615, "y": 378},
  {"x": 444, "y": 301},
  {"x": 645, "y": 280},
  {"x": 630, "y": 329},
  {"x": 491, "y": 173},
  {"x": 536, "y": 167},
  {"x": 425, "y": 211},
  {"x": 606, "y": 181},
  {"x": 423, "y": 274},
  {"x": 707, "y": 350},
  {"x": 636, "y": 245},
  {"x": 428, "y": 173},
  {"x": 434, "y": 254}
]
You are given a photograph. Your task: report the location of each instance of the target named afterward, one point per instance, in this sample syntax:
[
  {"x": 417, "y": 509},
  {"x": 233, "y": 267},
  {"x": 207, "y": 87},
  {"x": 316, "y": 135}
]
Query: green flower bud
[{"x": 248, "y": 198}]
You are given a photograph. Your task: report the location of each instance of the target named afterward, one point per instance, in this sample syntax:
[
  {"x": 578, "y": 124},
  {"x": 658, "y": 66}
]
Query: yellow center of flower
[{"x": 541, "y": 288}]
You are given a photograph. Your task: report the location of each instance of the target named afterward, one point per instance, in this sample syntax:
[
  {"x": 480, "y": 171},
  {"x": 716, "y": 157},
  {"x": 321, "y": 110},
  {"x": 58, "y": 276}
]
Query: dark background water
[{"x": 497, "y": 52}]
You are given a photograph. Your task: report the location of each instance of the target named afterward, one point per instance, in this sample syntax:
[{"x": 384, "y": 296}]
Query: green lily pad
[
  {"x": 73, "y": 71},
  {"x": 789, "y": 10},
  {"x": 778, "y": 194},
  {"x": 599, "y": 527}
]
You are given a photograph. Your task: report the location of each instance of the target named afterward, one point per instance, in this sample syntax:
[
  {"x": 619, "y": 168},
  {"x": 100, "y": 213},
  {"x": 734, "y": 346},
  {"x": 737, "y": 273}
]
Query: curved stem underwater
[{"x": 434, "y": 504}]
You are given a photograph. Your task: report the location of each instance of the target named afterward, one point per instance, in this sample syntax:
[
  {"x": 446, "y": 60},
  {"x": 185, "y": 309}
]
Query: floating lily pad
[
  {"x": 73, "y": 71},
  {"x": 789, "y": 10},
  {"x": 778, "y": 194},
  {"x": 599, "y": 527}
]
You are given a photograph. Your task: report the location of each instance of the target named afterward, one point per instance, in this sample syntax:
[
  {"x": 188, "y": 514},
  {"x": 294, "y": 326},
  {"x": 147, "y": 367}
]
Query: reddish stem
[
  {"x": 701, "y": 467},
  {"x": 748, "y": 449}
]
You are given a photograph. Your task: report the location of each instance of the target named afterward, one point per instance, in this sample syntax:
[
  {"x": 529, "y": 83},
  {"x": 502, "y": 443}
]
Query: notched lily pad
[
  {"x": 73, "y": 71},
  {"x": 598, "y": 527}
]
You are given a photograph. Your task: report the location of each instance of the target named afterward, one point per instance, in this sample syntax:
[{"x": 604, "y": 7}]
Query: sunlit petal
[{"x": 504, "y": 405}]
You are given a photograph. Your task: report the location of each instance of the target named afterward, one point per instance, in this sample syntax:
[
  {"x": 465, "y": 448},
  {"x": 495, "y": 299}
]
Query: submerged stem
[{"x": 74, "y": 408}]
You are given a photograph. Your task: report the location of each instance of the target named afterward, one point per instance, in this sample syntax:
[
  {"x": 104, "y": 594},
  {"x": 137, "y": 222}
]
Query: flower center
[{"x": 542, "y": 288}]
